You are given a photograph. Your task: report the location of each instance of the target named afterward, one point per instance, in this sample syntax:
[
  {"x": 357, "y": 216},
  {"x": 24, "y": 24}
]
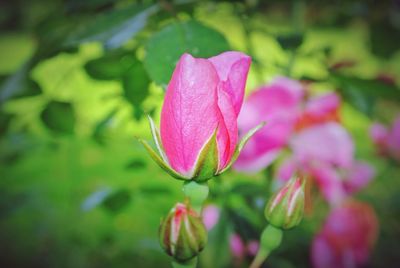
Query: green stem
[
  {"x": 270, "y": 239},
  {"x": 197, "y": 193},
  {"x": 261, "y": 256}
]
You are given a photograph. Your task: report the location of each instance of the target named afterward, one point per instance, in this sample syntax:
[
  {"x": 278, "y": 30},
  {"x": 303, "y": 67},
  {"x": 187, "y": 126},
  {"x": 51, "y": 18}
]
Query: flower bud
[
  {"x": 198, "y": 137},
  {"x": 182, "y": 233},
  {"x": 285, "y": 208}
]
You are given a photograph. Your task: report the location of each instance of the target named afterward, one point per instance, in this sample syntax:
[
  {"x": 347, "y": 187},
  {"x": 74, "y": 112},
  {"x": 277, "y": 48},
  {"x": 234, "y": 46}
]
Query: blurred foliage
[{"x": 78, "y": 76}]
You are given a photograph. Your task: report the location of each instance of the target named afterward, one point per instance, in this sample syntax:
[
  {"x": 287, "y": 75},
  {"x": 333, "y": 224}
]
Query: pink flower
[
  {"x": 203, "y": 95},
  {"x": 387, "y": 140},
  {"x": 210, "y": 216},
  {"x": 252, "y": 247},
  {"x": 394, "y": 139},
  {"x": 199, "y": 133},
  {"x": 237, "y": 246},
  {"x": 240, "y": 248},
  {"x": 278, "y": 104},
  {"x": 320, "y": 109},
  {"x": 309, "y": 126},
  {"x": 379, "y": 133},
  {"x": 328, "y": 143},
  {"x": 325, "y": 152},
  {"x": 347, "y": 237}
]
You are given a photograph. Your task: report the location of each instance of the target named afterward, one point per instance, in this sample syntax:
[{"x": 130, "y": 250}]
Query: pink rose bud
[
  {"x": 199, "y": 133},
  {"x": 182, "y": 233},
  {"x": 286, "y": 207}
]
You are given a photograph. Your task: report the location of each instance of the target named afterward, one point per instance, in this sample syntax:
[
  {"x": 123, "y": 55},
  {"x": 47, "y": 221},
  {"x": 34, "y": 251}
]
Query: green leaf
[
  {"x": 5, "y": 120},
  {"x": 242, "y": 143},
  {"x": 117, "y": 200},
  {"x": 114, "y": 28},
  {"x": 99, "y": 133},
  {"x": 207, "y": 162},
  {"x": 136, "y": 164},
  {"x": 14, "y": 84},
  {"x": 161, "y": 162},
  {"x": 59, "y": 117},
  {"x": 290, "y": 41},
  {"x": 165, "y": 47},
  {"x": 123, "y": 65},
  {"x": 154, "y": 189},
  {"x": 19, "y": 86},
  {"x": 135, "y": 83},
  {"x": 385, "y": 39},
  {"x": 362, "y": 93},
  {"x": 112, "y": 66},
  {"x": 249, "y": 189}
]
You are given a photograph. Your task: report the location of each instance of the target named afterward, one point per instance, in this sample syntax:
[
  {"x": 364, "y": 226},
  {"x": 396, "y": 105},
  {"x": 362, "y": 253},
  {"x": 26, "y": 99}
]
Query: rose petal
[
  {"x": 232, "y": 68},
  {"x": 190, "y": 113}
]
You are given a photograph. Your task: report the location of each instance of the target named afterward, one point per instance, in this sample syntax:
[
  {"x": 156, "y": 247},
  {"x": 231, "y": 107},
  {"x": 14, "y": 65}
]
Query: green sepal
[
  {"x": 241, "y": 144},
  {"x": 207, "y": 162},
  {"x": 286, "y": 212},
  {"x": 157, "y": 138},
  {"x": 191, "y": 240},
  {"x": 158, "y": 159}
]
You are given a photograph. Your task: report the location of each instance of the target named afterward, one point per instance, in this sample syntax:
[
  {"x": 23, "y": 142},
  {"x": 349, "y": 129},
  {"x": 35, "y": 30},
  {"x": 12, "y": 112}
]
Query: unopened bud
[
  {"x": 182, "y": 233},
  {"x": 286, "y": 207}
]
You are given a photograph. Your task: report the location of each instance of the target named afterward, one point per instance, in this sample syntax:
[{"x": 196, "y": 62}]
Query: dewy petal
[
  {"x": 190, "y": 111},
  {"x": 232, "y": 68}
]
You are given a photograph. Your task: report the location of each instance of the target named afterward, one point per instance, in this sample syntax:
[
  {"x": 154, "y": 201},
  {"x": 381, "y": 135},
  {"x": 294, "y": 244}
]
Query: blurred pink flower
[
  {"x": 319, "y": 109},
  {"x": 278, "y": 104},
  {"x": 210, "y": 216},
  {"x": 328, "y": 143},
  {"x": 237, "y": 246},
  {"x": 346, "y": 238},
  {"x": 240, "y": 248},
  {"x": 387, "y": 140},
  {"x": 325, "y": 152},
  {"x": 252, "y": 247},
  {"x": 309, "y": 126},
  {"x": 203, "y": 95}
]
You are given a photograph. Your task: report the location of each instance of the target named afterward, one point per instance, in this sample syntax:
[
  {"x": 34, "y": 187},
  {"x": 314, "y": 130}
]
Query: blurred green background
[{"x": 77, "y": 78}]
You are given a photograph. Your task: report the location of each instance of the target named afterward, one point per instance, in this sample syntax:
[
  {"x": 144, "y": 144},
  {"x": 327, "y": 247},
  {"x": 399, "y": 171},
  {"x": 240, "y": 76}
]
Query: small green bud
[
  {"x": 182, "y": 233},
  {"x": 286, "y": 207}
]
